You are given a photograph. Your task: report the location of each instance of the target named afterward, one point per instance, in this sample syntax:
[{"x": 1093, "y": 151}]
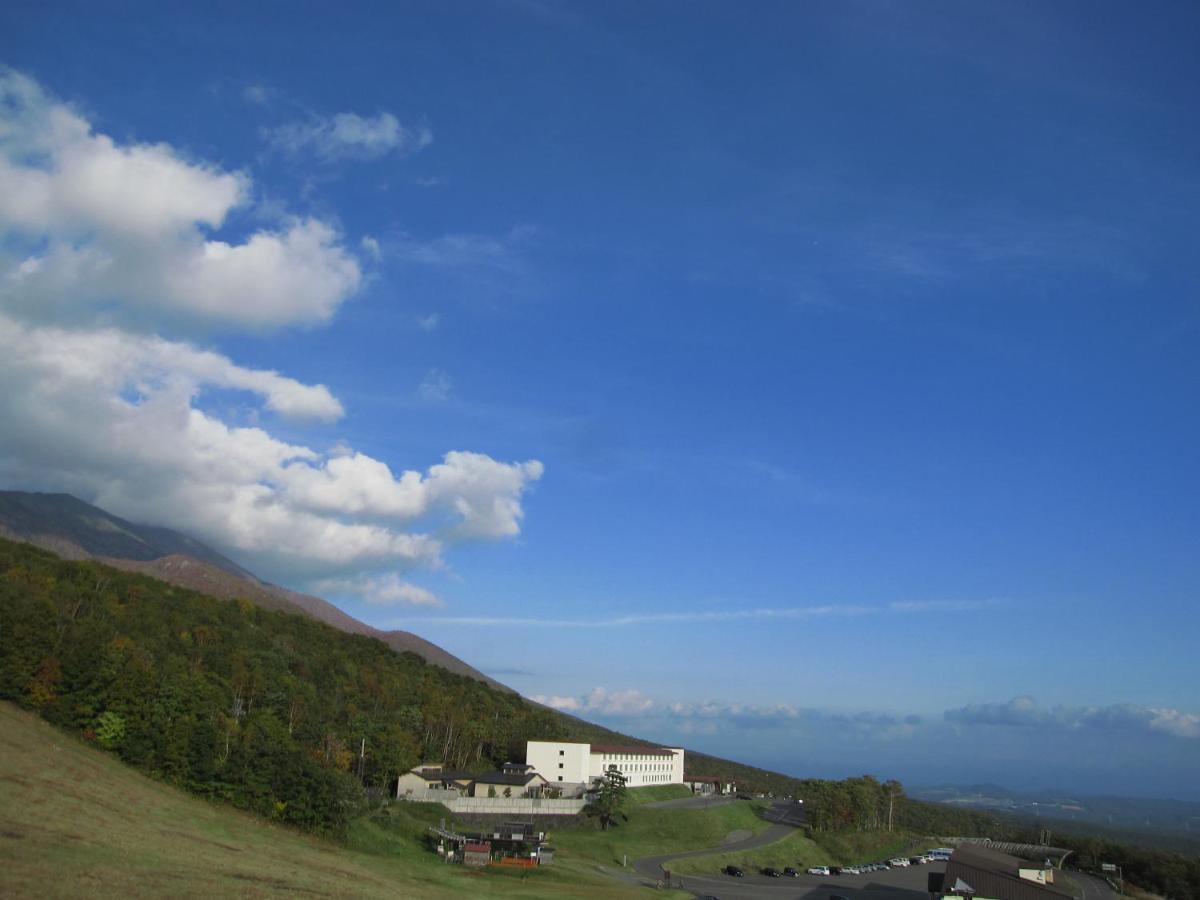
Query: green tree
[
  {"x": 110, "y": 729},
  {"x": 609, "y": 799}
]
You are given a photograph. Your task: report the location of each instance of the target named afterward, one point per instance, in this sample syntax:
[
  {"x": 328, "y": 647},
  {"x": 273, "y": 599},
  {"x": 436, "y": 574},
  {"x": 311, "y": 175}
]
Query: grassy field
[{"x": 74, "y": 821}]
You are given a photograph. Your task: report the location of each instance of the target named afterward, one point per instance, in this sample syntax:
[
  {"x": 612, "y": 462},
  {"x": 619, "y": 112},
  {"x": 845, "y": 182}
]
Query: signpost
[{"x": 1112, "y": 867}]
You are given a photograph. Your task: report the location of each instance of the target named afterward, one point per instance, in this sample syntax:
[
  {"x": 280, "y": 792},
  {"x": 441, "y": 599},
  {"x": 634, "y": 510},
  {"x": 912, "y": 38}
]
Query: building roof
[
  {"x": 631, "y": 749},
  {"x": 703, "y": 779},
  {"x": 990, "y": 873},
  {"x": 477, "y": 848},
  {"x": 436, "y": 773},
  {"x": 519, "y": 780}
]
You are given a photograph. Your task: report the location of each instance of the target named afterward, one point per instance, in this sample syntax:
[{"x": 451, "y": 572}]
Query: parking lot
[{"x": 902, "y": 884}]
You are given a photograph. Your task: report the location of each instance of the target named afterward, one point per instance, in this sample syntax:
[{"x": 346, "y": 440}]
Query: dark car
[
  {"x": 791, "y": 873},
  {"x": 734, "y": 871},
  {"x": 771, "y": 873},
  {"x": 835, "y": 870}
]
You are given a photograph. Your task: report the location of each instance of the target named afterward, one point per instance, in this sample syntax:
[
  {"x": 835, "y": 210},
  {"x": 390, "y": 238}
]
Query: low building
[
  {"x": 985, "y": 874},
  {"x": 432, "y": 777},
  {"x": 702, "y": 784},
  {"x": 508, "y": 784},
  {"x": 571, "y": 763},
  {"x": 476, "y": 854}
]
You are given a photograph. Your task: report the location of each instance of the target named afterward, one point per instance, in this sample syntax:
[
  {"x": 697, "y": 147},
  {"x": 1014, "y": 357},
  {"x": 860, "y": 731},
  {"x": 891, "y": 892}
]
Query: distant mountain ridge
[
  {"x": 74, "y": 529},
  {"x": 1137, "y": 813}
]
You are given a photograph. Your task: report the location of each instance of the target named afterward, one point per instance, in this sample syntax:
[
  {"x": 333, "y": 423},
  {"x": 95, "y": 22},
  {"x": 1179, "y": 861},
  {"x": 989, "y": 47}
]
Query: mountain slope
[{"x": 73, "y": 529}]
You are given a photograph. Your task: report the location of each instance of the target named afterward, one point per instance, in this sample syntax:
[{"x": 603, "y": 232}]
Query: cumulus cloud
[
  {"x": 119, "y": 418},
  {"x": 348, "y": 135},
  {"x": 92, "y": 229},
  {"x": 379, "y": 590},
  {"x": 102, "y": 242},
  {"x": 1024, "y": 712}
]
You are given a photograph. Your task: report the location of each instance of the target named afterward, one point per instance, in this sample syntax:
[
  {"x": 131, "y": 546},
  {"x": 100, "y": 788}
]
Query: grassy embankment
[{"x": 74, "y": 821}]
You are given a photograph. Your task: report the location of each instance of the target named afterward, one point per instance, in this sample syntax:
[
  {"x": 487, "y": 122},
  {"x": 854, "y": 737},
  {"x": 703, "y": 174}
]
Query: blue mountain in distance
[{"x": 1126, "y": 813}]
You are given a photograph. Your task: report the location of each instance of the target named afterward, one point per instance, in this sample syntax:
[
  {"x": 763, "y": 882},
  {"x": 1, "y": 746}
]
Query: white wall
[
  {"x": 640, "y": 769},
  {"x": 558, "y": 762}
]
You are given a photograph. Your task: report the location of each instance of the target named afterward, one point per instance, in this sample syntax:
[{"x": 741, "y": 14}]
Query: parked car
[
  {"x": 819, "y": 870},
  {"x": 791, "y": 873},
  {"x": 734, "y": 871},
  {"x": 852, "y": 870},
  {"x": 771, "y": 873},
  {"x": 899, "y": 863}
]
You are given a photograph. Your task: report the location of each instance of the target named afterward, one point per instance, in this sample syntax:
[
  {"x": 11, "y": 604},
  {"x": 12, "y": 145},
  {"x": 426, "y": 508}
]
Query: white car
[
  {"x": 852, "y": 870},
  {"x": 899, "y": 862},
  {"x": 819, "y": 870}
]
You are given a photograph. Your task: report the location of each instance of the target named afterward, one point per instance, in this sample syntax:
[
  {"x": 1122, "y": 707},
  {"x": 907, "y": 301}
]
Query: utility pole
[{"x": 362, "y": 753}]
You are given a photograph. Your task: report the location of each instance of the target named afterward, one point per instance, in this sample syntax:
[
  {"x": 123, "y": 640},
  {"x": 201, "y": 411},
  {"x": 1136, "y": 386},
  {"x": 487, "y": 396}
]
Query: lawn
[{"x": 650, "y": 832}]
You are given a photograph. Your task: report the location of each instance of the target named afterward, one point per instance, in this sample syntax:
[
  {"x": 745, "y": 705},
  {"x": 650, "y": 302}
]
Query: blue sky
[{"x": 818, "y": 383}]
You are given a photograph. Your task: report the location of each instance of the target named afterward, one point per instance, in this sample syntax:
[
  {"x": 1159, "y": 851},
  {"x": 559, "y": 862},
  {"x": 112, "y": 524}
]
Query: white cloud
[
  {"x": 118, "y": 418},
  {"x": 601, "y": 702},
  {"x": 91, "y": 229},
  {"x": 379, "y": 590},
  {"x": 371, "y": 248},
  {"x": 99, "y": 237},
  {"x": 428, "y": 322},
  {"x": 1024, "y": 712},
  {"x": 435, "y": 386},
  {"x": 348, "y": 135}
]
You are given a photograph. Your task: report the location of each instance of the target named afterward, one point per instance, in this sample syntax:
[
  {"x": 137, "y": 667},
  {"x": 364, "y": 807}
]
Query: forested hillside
[{"x": 265, "y": 709}]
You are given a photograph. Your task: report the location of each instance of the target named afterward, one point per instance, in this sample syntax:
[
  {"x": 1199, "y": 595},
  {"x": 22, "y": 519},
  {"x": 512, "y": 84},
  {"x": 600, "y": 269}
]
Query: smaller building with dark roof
[{"x": 982, "y": 873}]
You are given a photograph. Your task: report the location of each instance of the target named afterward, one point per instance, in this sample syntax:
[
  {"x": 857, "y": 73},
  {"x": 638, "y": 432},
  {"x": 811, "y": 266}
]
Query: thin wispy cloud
[
  {"x": 348, "y": 135},
  {"x": 724, "y": 615}
]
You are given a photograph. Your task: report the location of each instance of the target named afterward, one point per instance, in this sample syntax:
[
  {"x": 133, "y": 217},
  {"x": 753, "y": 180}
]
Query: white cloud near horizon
[
  {"x": 347, "y": 135},
  {"x": 92, "y": 230},
  {"x": 1024, "y": 712},
  {"x": 714, "y": 615},
  {"x": 600, "y": 702},
  {"x": 101, "y": 244}
]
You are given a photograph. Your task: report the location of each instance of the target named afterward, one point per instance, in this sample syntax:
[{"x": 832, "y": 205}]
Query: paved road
[
  {"x": 894, "y": 884},
  {"x": 1094, "y": 888},
  {"x": 652, "y": 866},
  {"x": 900, "y": 884}
]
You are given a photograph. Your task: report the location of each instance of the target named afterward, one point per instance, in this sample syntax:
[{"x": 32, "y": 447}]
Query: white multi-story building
[{"x": 583, "y": 763}]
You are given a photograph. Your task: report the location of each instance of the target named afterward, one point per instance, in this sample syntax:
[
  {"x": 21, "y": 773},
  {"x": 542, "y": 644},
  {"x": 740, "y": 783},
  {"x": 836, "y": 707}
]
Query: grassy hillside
[{"x": 75, "y": 821}]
